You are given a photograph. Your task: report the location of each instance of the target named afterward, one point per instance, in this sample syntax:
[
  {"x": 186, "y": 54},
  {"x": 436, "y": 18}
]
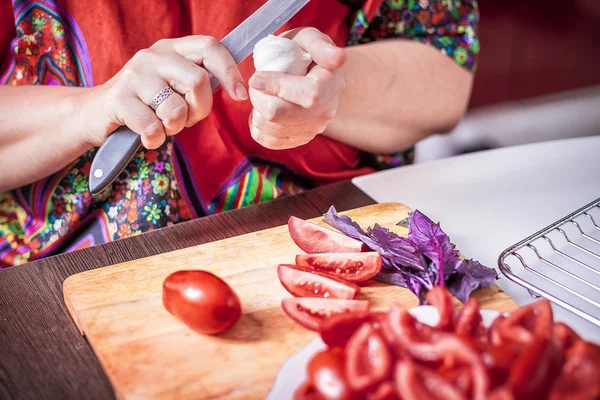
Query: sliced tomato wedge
[
  {"x": 441, "y": 299},
  {"x": 327, "y": 376},
  {"x": 338, "y": 329},
  {"x": 385, "y": 391},
  {"x": 306, "y": 282},
  {"x": 313, "y": 238},
  {"x": 525, "y": 324},
  {"x": 579, "y": 377},
  {"x": 306, "y": 392},
  {"x": 414, "y": 382},
  {"x": 468, "y": 322},
  {"x": 368, "y": 360},
  {"x": 534, "y": 372},
  {"x": 353, "y": 267},
  {"x": 311, "y": 312},
  {"x": 565, "y": 336}
]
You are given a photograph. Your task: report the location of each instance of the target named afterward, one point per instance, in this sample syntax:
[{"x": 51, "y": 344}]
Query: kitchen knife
[{"x": 120, "y": 147}]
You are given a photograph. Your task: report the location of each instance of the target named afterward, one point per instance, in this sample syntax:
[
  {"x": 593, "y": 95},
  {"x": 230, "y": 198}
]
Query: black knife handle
[{"x": 112, "y": 157}]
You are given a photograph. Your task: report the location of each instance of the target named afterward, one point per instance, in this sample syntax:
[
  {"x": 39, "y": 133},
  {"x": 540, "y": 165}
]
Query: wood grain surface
[
  {"x": 149, "y": 354},
  {"x": 42, "y": 353}
]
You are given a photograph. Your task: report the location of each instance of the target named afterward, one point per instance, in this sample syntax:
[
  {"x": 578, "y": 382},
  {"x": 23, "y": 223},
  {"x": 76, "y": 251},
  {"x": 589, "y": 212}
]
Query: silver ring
[{"x": 160, "y": 97}]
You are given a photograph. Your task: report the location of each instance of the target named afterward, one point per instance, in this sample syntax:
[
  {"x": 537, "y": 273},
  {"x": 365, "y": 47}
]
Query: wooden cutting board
[{"x": 148, "y": 354}]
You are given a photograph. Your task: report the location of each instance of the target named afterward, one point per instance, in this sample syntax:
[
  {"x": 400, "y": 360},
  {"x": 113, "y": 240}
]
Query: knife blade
[{"x": 120, "y": 147}]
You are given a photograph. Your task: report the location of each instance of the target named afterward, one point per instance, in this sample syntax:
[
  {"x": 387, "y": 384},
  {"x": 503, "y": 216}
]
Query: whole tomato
[{"x": 201, "y": 300}]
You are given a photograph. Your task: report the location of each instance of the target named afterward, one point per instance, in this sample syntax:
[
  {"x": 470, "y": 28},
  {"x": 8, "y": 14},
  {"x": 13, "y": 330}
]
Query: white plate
[{"x": 293, "y": 373}]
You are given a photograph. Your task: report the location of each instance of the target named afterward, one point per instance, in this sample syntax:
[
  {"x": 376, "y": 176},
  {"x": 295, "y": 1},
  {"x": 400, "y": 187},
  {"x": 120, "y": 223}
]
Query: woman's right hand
[{"x": 181, "y": 64}]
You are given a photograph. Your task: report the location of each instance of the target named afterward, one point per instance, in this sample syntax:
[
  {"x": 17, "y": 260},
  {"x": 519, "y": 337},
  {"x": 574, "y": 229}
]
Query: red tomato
[
  {"x": 306, "y": 392},
  {"x": 406, "y": 334},
  {"x": 311, "y": 312},
  {"x": 385, "y": 391},
  {"x": 579, "y": 377},
  {"x": 565, "y": 336},
  {"x": 468, "y": 321},
  {"x": 368, "y": 360},
  {"x": 526, "y": 323},
  {"x": 441, "y": 299},
  {"x": 414, "y": 382},
  {"x": 306, "y": 282},
  {"x": 338, "y": 329},
  {"x": 313, "y": 238},
  {"x": 534, "y": 372},
  {"x": 502, "y": 393},
  {"x": 326, "y": 375},
  {"x": 353, "y": 267},
  {"x": 201, "y": 300}
]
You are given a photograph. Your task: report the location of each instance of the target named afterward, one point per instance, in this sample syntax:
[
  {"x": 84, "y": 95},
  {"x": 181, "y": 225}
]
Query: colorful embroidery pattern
[
  {"x": 260, "y": 182},
  {"x": 449, "y": 25},
  {"x": 49, "y": 48}
]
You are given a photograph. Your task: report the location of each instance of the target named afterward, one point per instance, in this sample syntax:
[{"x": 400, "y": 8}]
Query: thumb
[{"x": 321, "y": 48}]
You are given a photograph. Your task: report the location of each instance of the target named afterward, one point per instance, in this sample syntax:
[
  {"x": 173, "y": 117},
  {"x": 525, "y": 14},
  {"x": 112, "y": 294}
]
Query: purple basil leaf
[
  {"x": 344, "y": 224},
  {"x": 403, "y": 279},
  {"x": 398, "y": 249},
  {"x": 434, "y": 244},
  {"x": 469, "y": 275}
]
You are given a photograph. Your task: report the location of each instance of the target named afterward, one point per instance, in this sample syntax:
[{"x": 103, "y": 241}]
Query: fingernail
[
  {"x": 240, "y": 91},
  {"x": 259, "y": 83}
]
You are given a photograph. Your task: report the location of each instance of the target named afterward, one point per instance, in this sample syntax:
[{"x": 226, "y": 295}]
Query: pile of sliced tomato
[
  {"x": 325, "y": 280},
  {"x": 390, "y": 355},
  {"x": 386, "y": 355}
]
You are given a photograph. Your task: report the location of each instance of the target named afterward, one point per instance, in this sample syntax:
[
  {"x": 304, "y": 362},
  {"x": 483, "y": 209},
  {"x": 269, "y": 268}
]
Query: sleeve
[
  {"x": 448, "y": 25},
  {"x": 7, "y": 31}
]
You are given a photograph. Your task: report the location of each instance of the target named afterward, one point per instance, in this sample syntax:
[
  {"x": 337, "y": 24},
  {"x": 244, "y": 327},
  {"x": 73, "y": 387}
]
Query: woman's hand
[
  {"x": 289, "y": 110},
  {"x": 176, "y": 63}
]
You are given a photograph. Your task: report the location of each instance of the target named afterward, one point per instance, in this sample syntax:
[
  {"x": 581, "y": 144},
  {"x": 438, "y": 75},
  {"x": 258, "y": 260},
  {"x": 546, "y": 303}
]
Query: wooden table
[{"x": 43, "y": 355}]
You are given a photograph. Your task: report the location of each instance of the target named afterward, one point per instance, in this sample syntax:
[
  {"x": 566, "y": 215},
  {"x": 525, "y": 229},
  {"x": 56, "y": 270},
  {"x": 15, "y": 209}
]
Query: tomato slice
[
  {"x": 407, "y": 335},
  {"x": 525, "y": 324},
  {"x": 313, "y": 238},
  {"x": 385, "y": 391},
  {"x": 306, "y": 282},
  {"x": 579, "y": 377},
  {"x": 441, "y": 299},
  {"x": 565, "y": 336},
  {"x": 468, "y": 322},
  {"x": 311, "y": 312},
  {"x": 534, "y": 372},
  {"x": 306, "y": 391},
  {"x": 368, "y": 360},
  {"x": 338, "y": 329},
  {"x": 326, "y": 374},
  {"x": 414, "y": 382},
  {"x": 353, "y": 267}
]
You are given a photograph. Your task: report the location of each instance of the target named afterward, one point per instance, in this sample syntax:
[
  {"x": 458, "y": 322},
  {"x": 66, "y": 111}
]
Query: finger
[
  {"x": 173, "y": 111},
  {"x": 320, "y": 46},
  {"x": 142, "y": 120},
  {"x": 277, "y": 110},
  {"x": 275, "y": 142},
  {"x": 209, "y": 52},
  {"x": 306, "y": 91},
  {"x": 192, "y": 81},
  {"x": 304, "y": 130}
]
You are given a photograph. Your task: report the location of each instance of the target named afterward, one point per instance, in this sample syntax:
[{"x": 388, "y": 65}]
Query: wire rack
[{"x": 561, "y": 262}]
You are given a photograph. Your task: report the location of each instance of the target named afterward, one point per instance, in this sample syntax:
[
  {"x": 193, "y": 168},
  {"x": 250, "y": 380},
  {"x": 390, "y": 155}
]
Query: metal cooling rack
[{"x": 561, "y": 262}]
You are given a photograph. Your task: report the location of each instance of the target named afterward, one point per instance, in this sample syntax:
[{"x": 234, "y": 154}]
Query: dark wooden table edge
[{"x": 42, "y": 354}]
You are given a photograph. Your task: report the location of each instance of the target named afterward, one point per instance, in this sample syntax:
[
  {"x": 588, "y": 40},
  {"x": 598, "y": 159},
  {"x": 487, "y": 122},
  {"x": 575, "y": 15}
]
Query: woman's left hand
[{"x": 290, "y": 110}]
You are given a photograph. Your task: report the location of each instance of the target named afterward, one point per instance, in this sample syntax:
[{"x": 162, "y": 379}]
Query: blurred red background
[{"x": 536, "y": 47}]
